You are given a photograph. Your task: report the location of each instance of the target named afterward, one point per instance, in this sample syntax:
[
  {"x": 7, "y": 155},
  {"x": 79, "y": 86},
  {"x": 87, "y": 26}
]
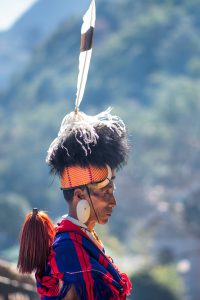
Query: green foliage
[
  {"x": 10, "y": 254},
  {"x": 167, "y": 276},
  {"x": 158, "y": 283},
  {"x": 132, "y": 43},
  {"x": 13, "y": 209},
  {"x": 146, "y": 63},
  {"x": 192, "y": 210}
]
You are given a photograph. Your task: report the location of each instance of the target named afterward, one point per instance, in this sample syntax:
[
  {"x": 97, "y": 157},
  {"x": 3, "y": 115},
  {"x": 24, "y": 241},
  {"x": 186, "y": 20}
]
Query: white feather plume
[
  {"x": 85, "y": 56},
  {"x": 77, "y": 123}
]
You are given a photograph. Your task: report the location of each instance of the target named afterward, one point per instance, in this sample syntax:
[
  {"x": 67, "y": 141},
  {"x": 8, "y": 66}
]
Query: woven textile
[
  {"x": 76, "y": 260},
  {"x": 76, "y": 176}
]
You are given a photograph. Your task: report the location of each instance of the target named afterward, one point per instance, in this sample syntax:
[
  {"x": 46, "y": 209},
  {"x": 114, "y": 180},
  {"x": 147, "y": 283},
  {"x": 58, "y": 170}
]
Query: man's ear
[{"x": 78, "y": 194}]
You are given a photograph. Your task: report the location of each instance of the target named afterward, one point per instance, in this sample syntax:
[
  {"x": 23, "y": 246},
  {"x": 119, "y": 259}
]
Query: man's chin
[{"x": 105, "y": 220}]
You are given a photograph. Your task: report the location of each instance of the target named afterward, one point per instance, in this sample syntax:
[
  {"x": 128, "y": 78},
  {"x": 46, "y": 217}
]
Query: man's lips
[{"x": 109, "y": 213}]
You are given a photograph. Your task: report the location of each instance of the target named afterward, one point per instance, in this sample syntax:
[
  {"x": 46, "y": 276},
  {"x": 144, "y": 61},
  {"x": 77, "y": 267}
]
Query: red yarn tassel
[{"x": 37, "y": 235}]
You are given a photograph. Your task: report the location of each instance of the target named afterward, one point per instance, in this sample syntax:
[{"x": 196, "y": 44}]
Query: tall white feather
[
  {"x": 85, "y": 56},
  {"x": 77, "y": 123}
]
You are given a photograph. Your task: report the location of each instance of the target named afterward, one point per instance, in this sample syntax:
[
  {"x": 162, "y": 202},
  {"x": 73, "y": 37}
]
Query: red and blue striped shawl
[{"x": 76, "y": 260}]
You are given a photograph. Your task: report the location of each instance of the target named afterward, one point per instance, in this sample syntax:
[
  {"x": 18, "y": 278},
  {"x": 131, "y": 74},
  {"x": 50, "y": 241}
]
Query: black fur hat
[{"x": 84, "y": 140}]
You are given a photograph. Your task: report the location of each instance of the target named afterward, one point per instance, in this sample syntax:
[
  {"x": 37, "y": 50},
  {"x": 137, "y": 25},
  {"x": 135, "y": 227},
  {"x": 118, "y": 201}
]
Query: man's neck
[{"x": 90, "y": 223}]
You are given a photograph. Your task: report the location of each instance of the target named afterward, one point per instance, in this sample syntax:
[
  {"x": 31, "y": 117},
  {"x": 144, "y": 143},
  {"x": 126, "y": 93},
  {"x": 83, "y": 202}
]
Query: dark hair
[{"x": 68, "y": 195}]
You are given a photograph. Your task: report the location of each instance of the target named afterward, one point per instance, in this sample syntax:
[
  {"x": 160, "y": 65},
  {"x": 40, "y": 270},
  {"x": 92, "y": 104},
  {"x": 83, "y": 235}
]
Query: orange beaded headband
[{"x": 76, "y": 176}]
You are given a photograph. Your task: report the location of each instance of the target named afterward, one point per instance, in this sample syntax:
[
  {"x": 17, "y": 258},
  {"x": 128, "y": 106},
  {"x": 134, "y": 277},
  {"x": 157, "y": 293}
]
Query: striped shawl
[{"x": 76, "y": 260}]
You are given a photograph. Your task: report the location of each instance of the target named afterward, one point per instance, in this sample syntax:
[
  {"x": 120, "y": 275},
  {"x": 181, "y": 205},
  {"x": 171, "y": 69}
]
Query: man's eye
[{"x": 109, "y": 192}]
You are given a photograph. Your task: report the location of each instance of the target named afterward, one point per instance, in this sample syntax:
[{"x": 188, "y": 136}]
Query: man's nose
[{"x": 113, "y": 201}]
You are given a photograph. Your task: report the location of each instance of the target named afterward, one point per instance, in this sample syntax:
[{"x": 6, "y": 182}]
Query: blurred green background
[{"x": 146, "y": 64}]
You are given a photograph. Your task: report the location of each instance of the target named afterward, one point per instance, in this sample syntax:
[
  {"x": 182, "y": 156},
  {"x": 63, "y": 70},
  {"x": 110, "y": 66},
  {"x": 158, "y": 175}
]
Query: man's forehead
[{"x": 110, "y": 184}]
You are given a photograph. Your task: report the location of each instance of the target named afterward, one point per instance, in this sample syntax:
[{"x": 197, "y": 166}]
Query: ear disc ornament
[{"x": 83, "y": 211}]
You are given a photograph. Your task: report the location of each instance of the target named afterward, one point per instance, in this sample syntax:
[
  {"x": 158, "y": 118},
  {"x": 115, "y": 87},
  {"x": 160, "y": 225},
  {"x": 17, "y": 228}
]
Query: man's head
[
  {"x": 100, "y": 201},
  {"x": 85, "y": 154}
]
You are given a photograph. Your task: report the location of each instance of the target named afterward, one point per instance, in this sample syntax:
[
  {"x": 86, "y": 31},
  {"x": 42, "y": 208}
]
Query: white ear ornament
[{"x": 83, "y": 211}]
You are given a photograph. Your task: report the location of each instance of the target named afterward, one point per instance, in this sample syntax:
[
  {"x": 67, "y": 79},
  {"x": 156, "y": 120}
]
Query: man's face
[{"x": 103, "y": 202}]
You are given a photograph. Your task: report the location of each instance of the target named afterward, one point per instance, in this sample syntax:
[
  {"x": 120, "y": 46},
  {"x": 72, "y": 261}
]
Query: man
[
  {"x": 70, "y": 261},
  {"x": 86, "y": 158}
]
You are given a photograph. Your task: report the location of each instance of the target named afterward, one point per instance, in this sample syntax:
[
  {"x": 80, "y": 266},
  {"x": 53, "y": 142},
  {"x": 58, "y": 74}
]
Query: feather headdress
[
  {"x": 84, "y": 139},
  {"x": 87, "y": 35}
]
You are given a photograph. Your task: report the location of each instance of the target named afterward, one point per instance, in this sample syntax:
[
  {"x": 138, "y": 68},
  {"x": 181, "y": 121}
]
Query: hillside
[
  {"x": 146, "y": 64},
  {"x": 137, "y": 59},
  {"x": 32, "y": 29},
  {"x": 131, "y": 47},
  {"x": 43, "y": 18}
]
